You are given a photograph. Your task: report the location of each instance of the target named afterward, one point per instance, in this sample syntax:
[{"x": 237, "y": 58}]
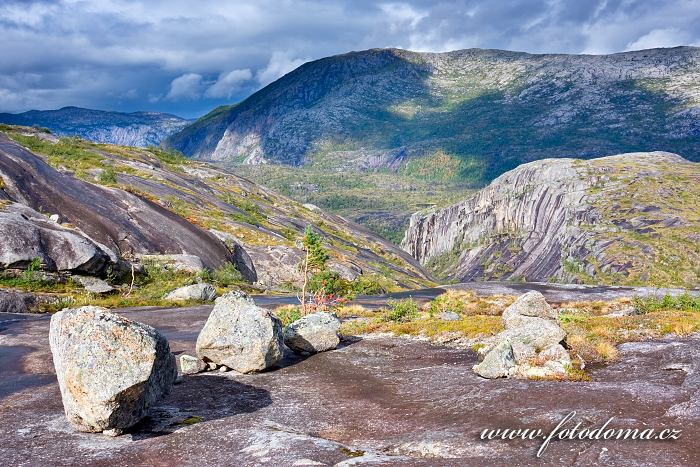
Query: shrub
[
  {"x": 331, "y": 283},
  {"x": 226, "y": 275},
  {"x": 372, "y": 284},
  {"x": 685, "y": 302},
  {"x": 108, "y": 176},
  {"x": 288, "y": 314},
  {"x": 401, "y": 310}
]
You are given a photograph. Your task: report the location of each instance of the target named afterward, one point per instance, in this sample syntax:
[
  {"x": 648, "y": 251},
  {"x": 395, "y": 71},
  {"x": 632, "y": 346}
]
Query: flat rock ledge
[
  {"x": 530, "y": 346},
  {"x": 110, "y": 370}
]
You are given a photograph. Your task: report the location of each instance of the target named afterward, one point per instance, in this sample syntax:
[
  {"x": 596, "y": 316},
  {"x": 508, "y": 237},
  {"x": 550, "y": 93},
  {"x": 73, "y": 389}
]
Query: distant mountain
[
  {"x": 487, "y": 110},
  {"x": 128, "y": 129},
  {"x": 630, "y": 219}
]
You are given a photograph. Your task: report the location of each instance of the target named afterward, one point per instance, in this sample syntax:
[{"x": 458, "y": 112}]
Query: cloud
[
  {"x": 668, "y": 37},
  {"x": 187, "y": 86},
  {"x": 279, "y": 65},
  {"x": 188, "y": 57},
  {"x": 229, "y": 83}
]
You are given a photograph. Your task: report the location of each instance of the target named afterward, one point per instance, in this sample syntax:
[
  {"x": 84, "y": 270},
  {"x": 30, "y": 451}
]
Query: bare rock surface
[
  {"x": 316, "y": 332},
  {"x": 197, "y": 292},
  {"x": 94, "y": 285},
  {"x": 110, "y": 370},
  {"x": 120, "y": 220},
  {"x": 240, "y": 335},
  {"x": 399, "y": 401}
]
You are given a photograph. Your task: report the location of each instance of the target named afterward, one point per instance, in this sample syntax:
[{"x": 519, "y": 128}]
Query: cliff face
[{"x": 622, "y": 219}]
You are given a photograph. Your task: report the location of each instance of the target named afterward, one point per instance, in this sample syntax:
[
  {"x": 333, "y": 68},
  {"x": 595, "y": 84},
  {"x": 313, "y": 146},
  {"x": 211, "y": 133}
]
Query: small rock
[
  {"x": 55, "y": 218},
  {"x": 448, "y": 316},
  {"x": 223, "y": 369},
  {"x": 498, "y": 363},
  {"x": 110, "y": 370},
  {"x": 197, "y": 292},
  {"x": 312, "y": 333},
  {"x": 190, "y": 365},
  {"x": 240, "y": 335},
  {"x": 113, "y": 432},
  {"x": 211, "y": 366},
  {"x": 94, "y": 285}
]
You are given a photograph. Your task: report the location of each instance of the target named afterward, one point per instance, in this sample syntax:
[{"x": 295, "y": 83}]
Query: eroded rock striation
[
  {"x": 604, "y": 220},
  {"x": 110, "y": 370}
]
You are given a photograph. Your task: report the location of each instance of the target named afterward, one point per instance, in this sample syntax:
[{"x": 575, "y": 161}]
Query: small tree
[{"x": 314, "y": 260}]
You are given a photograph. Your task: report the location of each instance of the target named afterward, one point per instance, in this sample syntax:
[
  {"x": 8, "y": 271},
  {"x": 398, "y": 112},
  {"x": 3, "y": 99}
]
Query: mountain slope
[
  {"x": 627, "y": 219},
  {"x": 148, "y": 201},
  {"x": 128, "y": 129},
  {"x": 489, "y": 110}
]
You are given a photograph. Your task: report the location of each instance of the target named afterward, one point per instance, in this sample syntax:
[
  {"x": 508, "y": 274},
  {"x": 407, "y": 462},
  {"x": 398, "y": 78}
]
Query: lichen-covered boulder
[
  {"x": 190, "y": 365},
  {"x": 313, "y": 333},
  {"x": 529, "y": 305},
  {"x": 196, "y": 292},
  {"x": 110, "y": 370},
  {"x": 240, "y": 335}
]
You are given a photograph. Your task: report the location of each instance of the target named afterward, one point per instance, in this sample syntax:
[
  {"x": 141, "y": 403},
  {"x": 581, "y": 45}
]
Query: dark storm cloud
[{"x": 187, "y": 57}]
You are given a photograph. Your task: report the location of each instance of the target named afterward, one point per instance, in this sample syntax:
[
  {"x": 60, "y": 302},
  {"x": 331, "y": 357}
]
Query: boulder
[
  {"x": 190, "y": 365},
  {"x": 110, "y": 370},
  {"x": 242, "y": 261},
  {"x": 184, "y": 263},
  {"x": 16, "y": 301},
  {"x": 499, "y": 362},
  {"x": 313, "y": 333},
  {"x": 277, "y": 265},
  {"x": 448, "y": 316},
  {"x": 533, "y": 337},
  {"x": 347, "y": 271},
  {"x": 94, "y": 285},
  {"x": 28, "y": 234},
  {"x": 240, "y": 335},
  {"x": 197, "y": 292},
  {"x": 531, "y": 304}
]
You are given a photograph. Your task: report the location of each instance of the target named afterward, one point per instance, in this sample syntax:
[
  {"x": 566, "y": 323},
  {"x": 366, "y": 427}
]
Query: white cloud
[
  {"x": 229, "y": 83},
  {"x": 187, "y": 86},
  {"x": 279, "y": 65},
  {"x": 668, "y": 37}
]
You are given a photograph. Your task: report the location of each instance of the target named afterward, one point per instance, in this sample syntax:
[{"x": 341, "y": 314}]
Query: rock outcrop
[
  {"x": 605, "y": 220},
  {"x": 240, "y": 335},
  {"x": 195, "y": 292},
  {"x": 27, "y": 235},
  {"x": 316, "y": 332},
  {"x": 530, "y": 345},
  {"x": 110, "y": 370}
]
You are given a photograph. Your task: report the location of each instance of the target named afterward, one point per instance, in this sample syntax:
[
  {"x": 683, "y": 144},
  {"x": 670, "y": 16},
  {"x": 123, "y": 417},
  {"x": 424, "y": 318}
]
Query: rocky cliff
[
  {"x": 627, "y": 219},
  {"x": 127, "y": 129}
]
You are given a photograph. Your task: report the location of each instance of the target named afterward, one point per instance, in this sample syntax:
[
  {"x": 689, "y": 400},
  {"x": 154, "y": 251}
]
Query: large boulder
[
  {"x": 197, "y": 292},
  {"x": 110, "y": 370},
  {"x": 313, "y": 333},
  {"x": 240, "y": 335},
  {"x": 28, "y": 234},
  {"x": 277, "y": 265}
]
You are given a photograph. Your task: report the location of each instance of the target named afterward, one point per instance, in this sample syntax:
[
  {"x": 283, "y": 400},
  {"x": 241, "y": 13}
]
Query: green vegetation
[{"x": 401, "y": 311}]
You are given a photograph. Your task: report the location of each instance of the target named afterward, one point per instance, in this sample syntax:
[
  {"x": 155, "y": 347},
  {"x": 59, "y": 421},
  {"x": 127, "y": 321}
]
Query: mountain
[
  {"x": 135, "y": 201},
  {"x": 628, "y": 219},
  {"x": 129, "y": 129},
  {"x": 487, "y": 110},
  {"x": 379, "y": 134}
]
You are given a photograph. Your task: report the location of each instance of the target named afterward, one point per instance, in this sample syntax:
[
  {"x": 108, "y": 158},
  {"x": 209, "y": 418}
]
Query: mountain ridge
[{"x": 140, "y": 128}]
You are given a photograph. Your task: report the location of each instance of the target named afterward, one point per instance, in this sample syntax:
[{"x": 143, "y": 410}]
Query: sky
[{"x": 187, "y": 57}]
